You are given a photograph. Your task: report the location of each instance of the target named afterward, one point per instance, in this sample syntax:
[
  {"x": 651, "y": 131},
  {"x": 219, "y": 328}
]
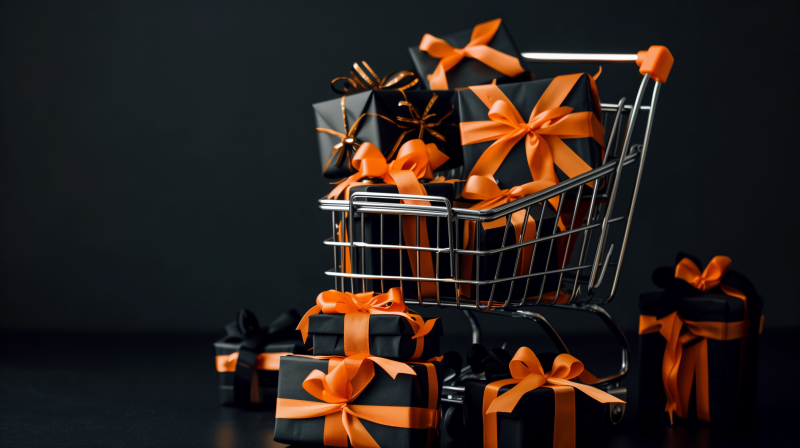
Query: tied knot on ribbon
[
  {"x": 478, "y": 48},
  {"x": 424, "y": 121},
  {"x": 711, "y": 276},
  {"x": 528, "y": 375},
  {"x": 363, "y": 79}
]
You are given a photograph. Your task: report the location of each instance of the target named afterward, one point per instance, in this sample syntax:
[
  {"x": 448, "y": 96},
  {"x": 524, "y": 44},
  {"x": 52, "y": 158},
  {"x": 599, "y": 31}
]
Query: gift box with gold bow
[
  {"x": 699, "y": 343},
  {"x": 534, "y": 401},
  {"x": 361, "y": 400},
  {"x": 345, "y": 324},
  {"x": 469, "y": 57},
  {"x": 386, "y": 116},
  {"x": 248, "y": 357}
]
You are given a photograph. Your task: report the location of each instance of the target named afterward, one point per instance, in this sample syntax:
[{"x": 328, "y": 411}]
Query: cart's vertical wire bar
[
  {"x": 613, "y": 193},
  {"x": 477, "y": 268},
  {"x": 569, "y": 238},
  {"x": 419, "y": 274},
  {"x": 519, "y": 253},
  {"x": 351, "y": 249},
  {"x": 363, "y": 257},
  {"x": 456, "y": 273},
  {"x": 533, "y": 252},
  {"x": 400, "y": 252},
  {"x": 645, "y": 144},
  {"x": 550, "y": 250},
  {"x": 383, "y": 288},
  {"x": 499, "y": 259},
  {"x": 335, "y": 249},
  {"x": 438, "y": 297}
]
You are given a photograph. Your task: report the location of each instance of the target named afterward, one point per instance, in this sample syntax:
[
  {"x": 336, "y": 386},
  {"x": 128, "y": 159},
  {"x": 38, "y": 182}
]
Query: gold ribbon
[{"x": 362, "y": 79}]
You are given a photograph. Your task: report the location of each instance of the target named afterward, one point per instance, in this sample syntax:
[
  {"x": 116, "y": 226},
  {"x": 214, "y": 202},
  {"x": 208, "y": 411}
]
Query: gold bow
[
  {"x": 361, "y": 80},
  {"x": 420, "y": 120}
]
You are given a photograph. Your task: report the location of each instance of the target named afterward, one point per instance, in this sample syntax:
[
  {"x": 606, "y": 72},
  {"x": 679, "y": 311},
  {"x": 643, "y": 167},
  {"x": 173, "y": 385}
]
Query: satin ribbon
[
  {"x": 528, "y": 375},
  {"x": 264, "y": 361},
  {"x": 345, "y": 381},
  {"x": 362, "y": 79},
  {"x": 415, "y": 160},
  {"x": 357, "y": 308},
  {"x": 686, "y": 355},
  {"x": 423, "y": 121},
  {"x": 478, "y": 48}
]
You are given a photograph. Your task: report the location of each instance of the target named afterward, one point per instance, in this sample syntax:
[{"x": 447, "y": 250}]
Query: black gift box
[
  {"x": 731, "y": 364},
  {"x": 404, "y": 390},
  {"x": 468, "y": 72},
  {"x": 381, "y": 132},
  {"x": 391, "y": 236},
  {"x": 249, "y": 339},
  {"x": 514, "y": 170},
  {"x": 389, "y": 336},
  {"x": 531, "y": 423}
]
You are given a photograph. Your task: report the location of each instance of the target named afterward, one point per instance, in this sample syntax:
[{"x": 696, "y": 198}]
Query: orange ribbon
[
  {"x": 344, "y": 382},
  {"x": 686, "y": 354},
  {"x": 527, "y": 375},
  {"x": 361, "y": 80},
  {"x": 421, "y": 120},
  {"x": 357, "y": 308},
  {"x": 264, "y": 361},
  {"x": 478, "y": 48},
  {"x": 415, "y": 160}
]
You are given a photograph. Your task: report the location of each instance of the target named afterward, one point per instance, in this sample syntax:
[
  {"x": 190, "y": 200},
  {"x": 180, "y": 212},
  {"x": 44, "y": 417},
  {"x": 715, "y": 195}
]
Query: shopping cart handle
[{"x": 657, "y": 62}]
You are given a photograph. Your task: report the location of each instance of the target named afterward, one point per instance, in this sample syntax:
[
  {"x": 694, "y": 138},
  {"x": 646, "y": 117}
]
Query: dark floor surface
[{"x": 134, "y": 391}]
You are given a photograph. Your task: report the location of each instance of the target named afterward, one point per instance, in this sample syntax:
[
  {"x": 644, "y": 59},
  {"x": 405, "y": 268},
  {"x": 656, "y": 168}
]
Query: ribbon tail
[
  {"x": 303, "y": 325},
  {"x": 359, "y": 436}
]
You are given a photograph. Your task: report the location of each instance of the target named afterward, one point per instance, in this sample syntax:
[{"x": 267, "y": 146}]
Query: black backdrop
[{"x": 159, "y": 167}]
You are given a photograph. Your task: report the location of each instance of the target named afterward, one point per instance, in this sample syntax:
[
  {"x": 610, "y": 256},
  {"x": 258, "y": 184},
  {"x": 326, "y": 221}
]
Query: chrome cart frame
[{"x": 599, "y": 239}]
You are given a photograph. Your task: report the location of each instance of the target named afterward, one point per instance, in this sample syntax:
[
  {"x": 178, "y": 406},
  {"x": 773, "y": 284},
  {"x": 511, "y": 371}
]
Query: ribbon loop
[{"x": 362, "y": 79}]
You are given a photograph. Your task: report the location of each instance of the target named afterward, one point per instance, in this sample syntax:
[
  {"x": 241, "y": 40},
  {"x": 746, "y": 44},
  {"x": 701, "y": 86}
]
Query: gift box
[
  {"x": 386, "y": 119},
  {"x": 703, "y": 329},
  {"x": 248, "y": 357},
  {"x": 573, "y": 138},
  {"x": 393, "y": 404},
  {"x": 542, "y": 416},
  {"x": 345, "y": 324},
  {"x": 389, "y": 233},
  {"x": 489, "y": 53}
]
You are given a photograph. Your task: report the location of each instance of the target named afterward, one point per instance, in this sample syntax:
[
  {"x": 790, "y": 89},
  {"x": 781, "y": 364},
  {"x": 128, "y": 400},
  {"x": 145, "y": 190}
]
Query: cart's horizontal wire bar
[
  {"x": 404, "y": 212},
  {"x": 395, "y": 246},
  {"x": 610, "y": 107},
  {"x": 580, "y": 57},
  {"x": 333, "y": 273},
  {"x": 526, "y": 243}
]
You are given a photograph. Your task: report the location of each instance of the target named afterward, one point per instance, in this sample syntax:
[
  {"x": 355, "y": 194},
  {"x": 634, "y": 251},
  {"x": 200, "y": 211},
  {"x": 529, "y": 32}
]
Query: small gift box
[
  {"x": 248, "y": 357},
  {"x": 528, "y": 406},
  {"x": 468, "y": 58},
  {"x": 364, "y": 401},
  {"x": 699, "y": 343},
  {"x": 346, "y": 324},
  {"x": 385, "y": 116}
]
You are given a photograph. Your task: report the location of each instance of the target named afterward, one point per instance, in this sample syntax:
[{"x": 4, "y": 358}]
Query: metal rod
[{"x": 579, "y": 57}]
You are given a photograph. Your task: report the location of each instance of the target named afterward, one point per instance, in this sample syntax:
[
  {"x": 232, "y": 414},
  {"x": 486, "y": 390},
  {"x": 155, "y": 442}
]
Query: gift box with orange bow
[
  {"x": 533, "y": 401},
  {"x": 248, "y": 357},
  {"x": 359, "y": 401},
  {"x": 469, "y": 57},
  {"x": 386, "y": 115},
  {"x": 699, "y": 343},
  {"x": 345, "y": 324}
]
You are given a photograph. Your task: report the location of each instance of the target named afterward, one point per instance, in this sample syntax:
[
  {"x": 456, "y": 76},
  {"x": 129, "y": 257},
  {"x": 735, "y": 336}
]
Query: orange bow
[
  {"x": 686, "y": 354},
  {"x": 361, "y": 80},
  {"x": 357, "y": 308},
  {"x": 477, "y": 48},
  {"x": 527, "y": 375},
  {"x": 344, "y": 382}
]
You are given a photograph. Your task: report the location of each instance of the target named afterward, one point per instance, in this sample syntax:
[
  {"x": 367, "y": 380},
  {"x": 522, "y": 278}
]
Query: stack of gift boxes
[{"x": 472, "y": 125}]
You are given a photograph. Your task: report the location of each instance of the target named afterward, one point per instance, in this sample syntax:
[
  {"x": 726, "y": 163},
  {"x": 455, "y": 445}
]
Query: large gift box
[
  {"x": 248, "y": 357},
  {"x": 366, "y": 401},
  {"x": 539, "y": 402},
  {"x": 469, "y": 57},
  {"x": 345, "y": 324},
  {"x": 386, "y": 119},
  {"x": 699, "y": 343}
]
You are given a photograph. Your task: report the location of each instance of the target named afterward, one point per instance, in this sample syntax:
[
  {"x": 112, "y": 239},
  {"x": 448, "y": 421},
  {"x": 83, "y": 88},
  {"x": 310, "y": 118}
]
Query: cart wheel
[
  {"x": 453, "y": 422},
  {"x": 616, "y": 413}
]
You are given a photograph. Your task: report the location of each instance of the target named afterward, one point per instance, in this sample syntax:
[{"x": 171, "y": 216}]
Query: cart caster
[
  {"x": 616, "y": 411},
  {"x": 453, "y": 421}
]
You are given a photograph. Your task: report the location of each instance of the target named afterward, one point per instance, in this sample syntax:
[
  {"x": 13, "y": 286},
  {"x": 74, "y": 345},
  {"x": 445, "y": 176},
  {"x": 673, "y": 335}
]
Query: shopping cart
[{"x": 587, "y": 276}]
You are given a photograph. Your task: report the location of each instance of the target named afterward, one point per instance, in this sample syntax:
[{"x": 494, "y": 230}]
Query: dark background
[{"x": 159, "y": 169}]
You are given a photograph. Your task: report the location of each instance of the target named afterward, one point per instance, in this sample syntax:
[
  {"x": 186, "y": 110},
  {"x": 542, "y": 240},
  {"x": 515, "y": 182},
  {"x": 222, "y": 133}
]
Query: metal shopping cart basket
[{"x": 585, "y": 280}]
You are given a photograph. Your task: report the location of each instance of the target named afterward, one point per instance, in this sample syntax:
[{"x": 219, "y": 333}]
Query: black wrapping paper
[
  {"x": 389, "y": 337},
  {"x": 514, "y": 170},
  {"x": 404, "y": 390},
  {"x": 391, "y": 236},
  {"x": 731, "y": 366},
  {"x": 382, "y": 133},
  {"x": 468, "y": 72}
]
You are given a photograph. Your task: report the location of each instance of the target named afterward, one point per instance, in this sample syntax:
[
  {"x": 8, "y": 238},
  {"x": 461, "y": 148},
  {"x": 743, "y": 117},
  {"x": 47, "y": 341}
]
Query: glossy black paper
[
  {"x": 389, "y": 337},
  {"x": 524, "y": 95},
  {"x": 404, "y": 390},
  {"x": 382, "y": 133},
  {"x": 468, "y": 72}
]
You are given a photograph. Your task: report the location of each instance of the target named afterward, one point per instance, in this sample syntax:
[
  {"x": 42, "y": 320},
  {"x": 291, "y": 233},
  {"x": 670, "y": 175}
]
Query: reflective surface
[{"x": 105, "y": 391}]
